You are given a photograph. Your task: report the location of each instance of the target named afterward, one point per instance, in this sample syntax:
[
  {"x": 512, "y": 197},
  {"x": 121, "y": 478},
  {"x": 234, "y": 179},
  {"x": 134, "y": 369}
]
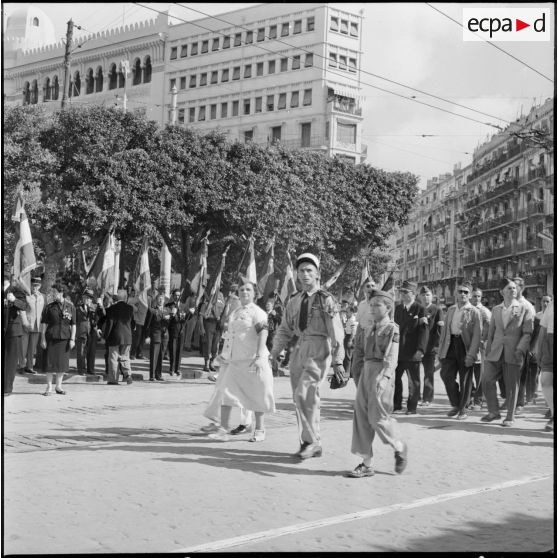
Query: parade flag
[
  {"x": 102, "y": 268},
  {"x": 388, "y": 286},
  {"x": 216, "y": 288},
  {"x": 266, "y": 285},
  {"x": 24, "y": 256},
  {"x": 250, "y": 274},
  {"x": 331, "y": 281},
  {"x": 198, "y": 275},
  {"x": 142, "y": 275},
  {"x": 364, "y": 278},
  {"x": 289, "y": 283}
]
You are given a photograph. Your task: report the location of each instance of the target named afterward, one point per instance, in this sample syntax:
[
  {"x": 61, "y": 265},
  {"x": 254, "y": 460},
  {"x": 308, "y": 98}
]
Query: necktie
[{"x": 303, "y": 316}]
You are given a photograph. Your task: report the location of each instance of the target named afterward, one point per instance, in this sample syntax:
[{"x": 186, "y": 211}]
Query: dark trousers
[
  {"x": 269, "y": 345},
  {"x": 156, "y": 352},
  {"x": 175, "y": 352},
  {"x": 528, "y": 381},
  {"x": 348, "y": 352},
  {"x": 477, "y": 391},
  {"x": 428, "y": 388},
  {"x": 459, "y": 394},
  {"x": 137, "y": 342},
  {"x": 413, "y": 375},
  {"x": 210, "y": 339},
  {"x": 12, "y": 353},
  {"x": 90, "y": 350},
  {"x": 81, "y": 353}
]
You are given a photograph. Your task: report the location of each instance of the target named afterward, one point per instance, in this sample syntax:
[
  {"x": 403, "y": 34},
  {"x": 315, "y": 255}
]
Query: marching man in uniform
[{"x": 312, "y": 316}]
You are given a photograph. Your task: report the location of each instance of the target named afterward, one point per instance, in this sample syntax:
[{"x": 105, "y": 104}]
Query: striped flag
[
  {"x": 250, "y": 274},
  {"x": 142, "y": 275},
  {"x": 216, "y": 288},
  {"x": 327, "y": 285},
  {"x": 266, "y": 285},
  {"x": 289, "y": 283},
  {"x": 364, "y": 278},
  {"x": 198, "y": 277},
  {"x": 102, "y": 268},
  {"x": 24, "y": 256}
]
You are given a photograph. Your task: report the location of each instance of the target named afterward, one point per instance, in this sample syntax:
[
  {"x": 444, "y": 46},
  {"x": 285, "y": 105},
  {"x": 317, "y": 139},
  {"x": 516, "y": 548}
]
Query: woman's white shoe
[
  {"x": 221, "y": 434},
  {"x": 258, "y": 436}
]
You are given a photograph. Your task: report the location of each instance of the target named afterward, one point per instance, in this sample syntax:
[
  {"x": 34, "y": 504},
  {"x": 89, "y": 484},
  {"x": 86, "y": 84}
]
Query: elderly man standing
[
  {"x": 118, "y": 335},
  {"x": 509, "y": 337},
  {"x": 411, "y": 318},
  {"x": 312, "y": 316},
  {"x": 459, "y": 348},
  {"x": 36, "y": 302}
]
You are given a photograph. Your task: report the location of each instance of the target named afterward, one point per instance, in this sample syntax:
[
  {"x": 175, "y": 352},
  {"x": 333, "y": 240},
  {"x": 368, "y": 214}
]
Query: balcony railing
[
  {"x": 530, "y": 244},
  {"x": 479, "y": 171},
  {"x": 538, "y": 172},
  {"x": 412, "y": 235},
  {"x": 535, "y": 279},
  {"x": 345, "y": 105},
  {"x": 411, "y": 258}
]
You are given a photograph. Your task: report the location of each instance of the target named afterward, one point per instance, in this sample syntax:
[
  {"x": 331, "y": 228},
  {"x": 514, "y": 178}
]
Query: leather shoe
[
  {"x": 409, "y": 412},
  {"x": 490, "y": 417},
  {"x": 113, "y": 384},
  {"x": 507, "y": 422},
  {"x": 311, "y": 450},
  {"x": 454, "y": 411},
  {"x": 401, "y": 459},
  {"x": 129, "y": 379},
  {"x": 239, "y": 429},
  {"x": 361, "y": 471}
]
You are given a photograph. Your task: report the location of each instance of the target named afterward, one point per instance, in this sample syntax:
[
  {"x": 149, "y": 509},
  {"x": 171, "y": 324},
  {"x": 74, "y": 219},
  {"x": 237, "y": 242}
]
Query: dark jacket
[
  {"x": 13, "y": 323},
  {"x": 119, "y": 324},
  {"x": 59, "y": 318},
  {"x": 413, "y": 331},
  {"x": 435, "y": 317},
  {"x": 177, "y": 324},
  {"x": 156, "y": 326},
  {"x": 84, "y": 318}
]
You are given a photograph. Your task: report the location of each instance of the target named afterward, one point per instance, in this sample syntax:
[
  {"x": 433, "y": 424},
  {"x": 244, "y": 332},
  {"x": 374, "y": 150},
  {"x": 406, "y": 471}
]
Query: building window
[
  {"x": 261, "y": 34},
  {"x": 346, "y": 133},
  {"x": 183, "y": 51},
  {"x": 193, "y": 81},
  {"x": 332, "y": 60},
  {"x": 282, "y": 103},
  {"x": 354, "y": 29},
  {"x": 297, "y": 27},
  {"x": 181, "y": 116},
  {"x": 205, "y": 47},
  {"x": 213, "y": 112},
  {"x": 194, "y": 49},
  {"x": 35, "y": 22},
  {"x": 342, "y": 62},
  {"x": 147, "y": 70},
  {"x": 294, "y": 99},
  {"x": 309, "y": 60},
  {"x": 258, "y": 104},
  {"x": 271, "y": 67},
  {"x": 236, "y": 72},
  {"x": 275, "y": 134},
  {"x": 214, "y": 76},
  {"x": 237, "y": 39},
  {"x": 284, "y": 29},
  {"x": 249, "y": 37},
  {"x": 344, "y": 27},
  {"x": 224, "y": 110},
  {"x": 284, "y": 64},
  {"x": 270, "y": 102},
  {"x": 246, "y": 106},
  {"x": 310, "y": 23},
  {"x": 225, "y": 75},
  {"x": 226, "y": 41},
  {"x": 215, "y": 44},
  {"x": 307, "y": 99},
  {"x": 352, "y": 65},
  {"x": 201, "y": 114},
  {"x": 259, "y": 69},
  {"x": 334, "y": 24},
  {"x": 113, "y": 77},
  {"x": 173, "y": 53},
  {"x": 203, "y": 79},
  {"x": 90, "y": 82},
  {"x": 235, "y": 106},
  {"x": 273, "y": 32},
  {"x": 296, "y": 62},
  {"x": 248, "y": 71},
  {"x": 172, "y": 83},
  {"x": 192, "y": 115},
  {"x": 183, "y": 82},
  {"x": 248, "y": 136},
  {"x": 305, "y": 130},
  {"x": 99, "y": 79}
]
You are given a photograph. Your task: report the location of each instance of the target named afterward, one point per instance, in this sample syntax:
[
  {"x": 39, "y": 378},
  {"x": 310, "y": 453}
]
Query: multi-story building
[
  {"x": 273, "y": 72},
  {"x": 493, "y": 219}
]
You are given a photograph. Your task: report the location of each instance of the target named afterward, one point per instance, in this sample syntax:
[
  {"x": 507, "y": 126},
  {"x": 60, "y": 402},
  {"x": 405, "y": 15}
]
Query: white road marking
[{"x": 345, "y": 518}]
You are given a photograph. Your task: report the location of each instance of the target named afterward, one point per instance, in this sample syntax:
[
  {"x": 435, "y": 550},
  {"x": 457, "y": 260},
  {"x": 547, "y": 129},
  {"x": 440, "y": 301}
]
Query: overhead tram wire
[
  {"x": 445, "y": 100},
  {"x": 344, "y": 76},
  {"x": 492, "y": 44}
]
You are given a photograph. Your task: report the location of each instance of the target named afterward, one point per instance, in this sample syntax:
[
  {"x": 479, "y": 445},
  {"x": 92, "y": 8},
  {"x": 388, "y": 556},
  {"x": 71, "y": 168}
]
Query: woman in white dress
[{"x": 246, "y": 379}]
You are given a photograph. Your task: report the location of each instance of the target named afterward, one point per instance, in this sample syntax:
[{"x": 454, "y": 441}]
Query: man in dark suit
[
  {"x": 119, "y": 324},
  {"x": 15, "y": 304},
  {"x": 177, "y": 331},
  {"x": 413, "y": 330},
  {"x": 84, "y": 314}
]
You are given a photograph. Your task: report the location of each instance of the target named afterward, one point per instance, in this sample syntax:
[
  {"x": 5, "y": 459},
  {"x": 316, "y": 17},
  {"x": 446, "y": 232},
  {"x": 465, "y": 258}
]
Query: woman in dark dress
[{"x": 58, "y": 336}]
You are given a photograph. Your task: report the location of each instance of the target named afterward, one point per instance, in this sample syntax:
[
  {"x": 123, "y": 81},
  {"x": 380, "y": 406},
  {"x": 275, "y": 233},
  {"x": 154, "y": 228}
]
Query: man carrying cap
[
  {"x": 312, "y": 316},
  {"x": 36, "y": 301}
]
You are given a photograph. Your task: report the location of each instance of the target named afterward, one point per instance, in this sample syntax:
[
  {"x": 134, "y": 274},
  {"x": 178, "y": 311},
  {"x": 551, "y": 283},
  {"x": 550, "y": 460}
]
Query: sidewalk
[{"x": 125, "y": 468}]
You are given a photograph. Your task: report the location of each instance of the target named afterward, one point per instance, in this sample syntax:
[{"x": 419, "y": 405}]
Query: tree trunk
[{"x": 54, "y": 262}]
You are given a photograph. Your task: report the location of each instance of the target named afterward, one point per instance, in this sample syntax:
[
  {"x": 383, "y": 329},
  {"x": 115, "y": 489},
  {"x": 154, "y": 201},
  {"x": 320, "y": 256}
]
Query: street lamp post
[{"x": 125, "y": 68}]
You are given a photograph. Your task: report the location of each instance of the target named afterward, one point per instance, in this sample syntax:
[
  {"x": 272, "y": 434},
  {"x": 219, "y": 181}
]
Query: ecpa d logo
[{"x": 506, "y": 24}]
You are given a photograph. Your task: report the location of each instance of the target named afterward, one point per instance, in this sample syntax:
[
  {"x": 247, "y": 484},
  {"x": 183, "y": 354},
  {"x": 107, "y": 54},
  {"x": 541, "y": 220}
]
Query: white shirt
[
  {"x": 547, "y": 319},
  {"x": 363, "y": 315},
  {"x": 455, "y": 326},
  {"x": 507, "y": 311},
  {"x": 351, "y": 325}
]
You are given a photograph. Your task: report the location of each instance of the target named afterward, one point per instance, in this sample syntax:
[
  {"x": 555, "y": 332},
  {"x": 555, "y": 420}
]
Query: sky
[{"x": 416, "y": 46}]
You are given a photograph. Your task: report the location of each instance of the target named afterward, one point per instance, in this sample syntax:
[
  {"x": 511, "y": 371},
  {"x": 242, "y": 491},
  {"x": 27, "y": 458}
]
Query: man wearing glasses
[{"x": 459, "y": 350}]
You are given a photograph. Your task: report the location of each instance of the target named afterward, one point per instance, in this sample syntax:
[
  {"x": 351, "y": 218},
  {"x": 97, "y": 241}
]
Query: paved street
[{"x": 110, "y": 469}]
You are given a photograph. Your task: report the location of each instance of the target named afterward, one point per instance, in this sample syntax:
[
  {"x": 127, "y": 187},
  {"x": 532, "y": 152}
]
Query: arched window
[
  {"x": 121, "y": 78},
  {"x": 46, "y": 90},
  {"x": 147, "y": 70},
  {"x": 35, "y": 22},
  {"x": 89, "y": 82},
  {"x": 112, "y": 77},
  {"x": 26, "y": 94},
  {"x": 34, "y": 92},
  {"x": 99, "y": 80},
  {"x": 136, "y": 80},
  {"x": 55, "y": 88},
  {"x": 77, "y": 84}
]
